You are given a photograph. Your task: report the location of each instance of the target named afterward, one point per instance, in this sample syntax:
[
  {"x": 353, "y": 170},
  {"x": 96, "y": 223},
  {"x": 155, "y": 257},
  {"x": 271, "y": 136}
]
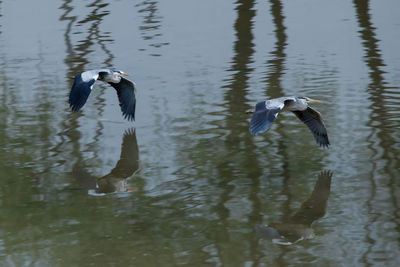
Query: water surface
[{"x": 187, "y": 183}]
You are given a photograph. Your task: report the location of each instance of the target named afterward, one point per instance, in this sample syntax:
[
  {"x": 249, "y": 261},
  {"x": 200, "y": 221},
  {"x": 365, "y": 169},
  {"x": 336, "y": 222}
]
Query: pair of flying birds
[{"x": 263, "y": 116}]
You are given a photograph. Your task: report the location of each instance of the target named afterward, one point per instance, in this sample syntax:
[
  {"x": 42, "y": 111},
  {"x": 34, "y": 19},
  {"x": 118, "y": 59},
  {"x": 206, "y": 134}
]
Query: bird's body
[
  {"x": 83, "y": 84},
  {"x": 266, "y": 112}
]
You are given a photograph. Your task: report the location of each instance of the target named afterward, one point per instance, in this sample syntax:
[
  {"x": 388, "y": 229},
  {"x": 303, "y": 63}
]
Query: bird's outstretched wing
[
  {"x": 263, "y": 116},
  {"x": 127, "y": 99},
  {"x": 313, "y": 120},
  {"x": 80, "y": 91}
]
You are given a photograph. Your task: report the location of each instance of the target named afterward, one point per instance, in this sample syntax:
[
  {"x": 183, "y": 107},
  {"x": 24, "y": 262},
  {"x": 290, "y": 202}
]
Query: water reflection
[
  {"x": 115, "y": 181},
  {"x": 77, "y": 59},
  {"x": 276, "y": 63},
  {"x": 0, "y": 15},
  {"x": 94, "y": 36},
  {"x": 212, "y": 190},
  {"x": 298, "y": 226},
  {"x": 238, "y": 137},
  {"x": 384, "y": 107},
  {"x": 151, "y": 24}
]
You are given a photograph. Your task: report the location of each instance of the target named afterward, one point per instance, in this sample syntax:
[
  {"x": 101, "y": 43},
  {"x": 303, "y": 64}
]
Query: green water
[{"x": 187, "y": 184}]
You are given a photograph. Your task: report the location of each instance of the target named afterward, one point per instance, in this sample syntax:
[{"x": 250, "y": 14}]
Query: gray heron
[
  {"x": 83, "y": 84},
  {"x": 266, "y": 112}
]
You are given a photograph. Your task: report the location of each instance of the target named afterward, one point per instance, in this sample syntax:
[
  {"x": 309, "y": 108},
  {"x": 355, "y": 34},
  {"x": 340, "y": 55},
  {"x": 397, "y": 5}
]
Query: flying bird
[
  {"x": 83, "y": 84},
  {"x": 266, "y": 112}
]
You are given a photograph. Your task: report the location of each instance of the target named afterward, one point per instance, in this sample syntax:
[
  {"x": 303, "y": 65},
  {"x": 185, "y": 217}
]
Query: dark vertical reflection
[
  {"x": 3, "y": 94},
  {"x": 150, "y": 29},
  {"x": 381, "y": 140},
  {"x": 43, "y": 107},
  {"x": 273, "y": 80},
  {"x": 71, "y": 123},
  {"x": 77, "y": 55},
  {"x": 235, "y": 96},
  {"x": 274, "y": 89},
  {"x": 95, "y": 36},
  {"x": 4, "y": 85},
  {"x": 68, "y": 31},
  {"x": 1, "y": 2},
  {"x": 276, "y": 63},
  {"x": 238, "y": 140},
  {"x": 77, "y": 59}
]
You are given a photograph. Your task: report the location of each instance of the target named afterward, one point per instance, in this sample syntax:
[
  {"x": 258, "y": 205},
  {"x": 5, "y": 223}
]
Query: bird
[
  {"x": 83, "y": 85},
  {"x": 266, "y": 112},
  {"x": 299, "y": 226}
]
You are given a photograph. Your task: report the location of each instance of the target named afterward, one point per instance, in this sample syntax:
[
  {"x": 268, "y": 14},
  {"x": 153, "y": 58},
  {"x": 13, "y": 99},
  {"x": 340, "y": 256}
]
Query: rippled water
[{"x": 190, "y": 184}]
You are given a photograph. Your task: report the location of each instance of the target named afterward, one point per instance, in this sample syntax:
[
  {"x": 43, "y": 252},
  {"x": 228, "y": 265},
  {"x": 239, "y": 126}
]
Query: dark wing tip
[
  {"x": 321, "y": 139},
  {"x": 313, "y": 120},
  {"x": 129, "y": 116},
  {"x": 127, "y": 102},
  {"x": 324, "y": 145},
  {"x": 126, "y": 96}
]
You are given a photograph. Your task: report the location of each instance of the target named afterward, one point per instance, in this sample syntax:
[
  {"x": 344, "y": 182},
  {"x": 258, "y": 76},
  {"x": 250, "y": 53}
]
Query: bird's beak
[
  {"x": 72, "y": 77},
  {"x": 125, "y": 74},
  {"x": 315, "y": 101},
  {"x": 131, "y": 189}
]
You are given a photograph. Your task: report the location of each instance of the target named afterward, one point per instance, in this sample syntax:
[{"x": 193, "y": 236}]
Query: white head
[
  {"x": 120, "y": 73},
  {"x": 309, "y": 100},
  {"x": 301, "y": 103},
  {"x": 113, "y": 76}
]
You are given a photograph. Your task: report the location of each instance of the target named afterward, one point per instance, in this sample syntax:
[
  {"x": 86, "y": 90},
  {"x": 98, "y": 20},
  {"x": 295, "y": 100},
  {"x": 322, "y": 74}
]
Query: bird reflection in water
[
  {"x": 115, "y": 181},
  {"x": 298, "y": 227}
]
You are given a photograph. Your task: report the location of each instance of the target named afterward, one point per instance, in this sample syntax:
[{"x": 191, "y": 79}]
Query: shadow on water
[
  {"x": 298, "y": 227},
  {"x": 382, "y": 141},
  {"x": 115, "y": 181}
]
